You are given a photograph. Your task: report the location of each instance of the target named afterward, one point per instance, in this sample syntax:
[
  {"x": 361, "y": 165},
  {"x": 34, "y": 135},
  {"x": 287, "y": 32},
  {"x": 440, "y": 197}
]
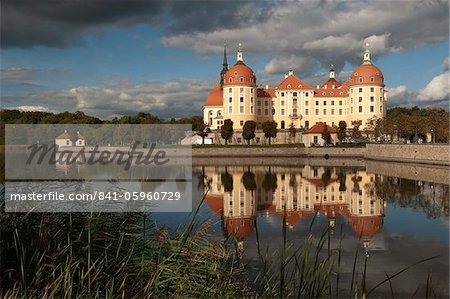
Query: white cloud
[
  {"x": 179, "y": 98},
  {"x": 31, "y": 108},
  {"x": 436, "y": 89}
]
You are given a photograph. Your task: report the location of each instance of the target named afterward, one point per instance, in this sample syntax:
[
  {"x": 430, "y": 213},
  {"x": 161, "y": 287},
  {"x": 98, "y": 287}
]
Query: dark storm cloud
[{"x": 28, "y": 23}]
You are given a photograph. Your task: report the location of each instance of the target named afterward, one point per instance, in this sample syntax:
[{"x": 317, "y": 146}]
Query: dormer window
[
  {"x": 332, "y": 93},
  {"x": 372, "y": 79},
  {"x": 231, "y": 80},
  {"x": 241, "y": 79},
  {"x": 300, "y": 86},
  {"x": 289, "y": 86},
  {"x": 360, "y": 79},
  {"x": 323, "y": 93},
  {"x": 235, "y": 73},
  {"x": 282, "y": 94},
  {"x": 294, "y": 94},
  {"x": 341, "y": 93},
  {"x": 377, "y": 73}
]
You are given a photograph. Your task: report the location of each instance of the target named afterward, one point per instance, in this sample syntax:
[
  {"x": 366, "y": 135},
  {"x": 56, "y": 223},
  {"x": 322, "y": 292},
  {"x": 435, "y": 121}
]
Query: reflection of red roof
[
  {"x": 240, "y": 227},
  {"x": 319, "y": 128},
  {"x": 64, "y": 135},
  {"x": 79, "y": 136},
  {"x": 215, "y": 97},
  {"x": 265, "y": 93},
  {"x": 215, "y": 203},
  {"x": 320, "y": 182},
  {"x": 294, "y": 217},
  {"x": 333, "y": 210},
  {"x": 366, "y": 226},
  {"x": 292, "y": 83}
]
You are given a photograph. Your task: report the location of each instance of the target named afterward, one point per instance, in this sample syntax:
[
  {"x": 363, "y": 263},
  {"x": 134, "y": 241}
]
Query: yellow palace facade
[{"x": 294, "y": 102}]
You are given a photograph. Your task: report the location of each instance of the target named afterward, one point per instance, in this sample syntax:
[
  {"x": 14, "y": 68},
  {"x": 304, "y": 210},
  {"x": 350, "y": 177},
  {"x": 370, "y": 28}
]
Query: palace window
[
  {"x": 259, "y": 111},
  {"x": 294, "y": 94},
  {"x": 381, "y": 109},
  {"x": 282, "y": 94},
  {"x": 230, "y": 100},
  {"x": 324, "y": 111},
  {"x": 230, "y": 89},
  {"x": 324, "y": 103},
  {"x": 282, "y": 103},
  {"x": 317, "y": 111},
  {"x": 230, "y": 109},
  {"x": 266, "y": 111},
  {"x": 258, "y": 103},
  {"x": 241, "y": 79},
  {"x": 251, "y": 109},
  {"x": 273, "y": 111},
  {"x": 306, "y": 111},
  {"x": 371, "y": 99},
  {"x": 360, "y": 109},
  {"x": 251, "y": 100},
  {"x": 360, "y": 79},
  {"x": 341, "y": 93},
  {"x": 299, "y": 86},
  {"x": 332, "y": 103},
  {"x": 340, "y": 103},
  {"x": 241, "y": 90},
  {"x": 371, "y": 108},
  {"x": 340, "y": 111},
  {"x": 324, "y": 93},
  {"x": 306, "y": 94},
  {"x": 372, "y": 89},
  {"x": 231, "y": 80},
  {"x": 332, "y": 93},
  {"x": 241, "y": 123},
  {"x": 282, "y": 111},
  {"x": 241, "y": 109},
  {"x": 360, "y": 89},
  {"x": 289, "y": 86},
  {"x": 351, "y": 110},
  {"x": 360, "y": 99},
  {"x": 332, "y": 111},
  {"x": 241, "y": 99},
  {"x": 372, "y": 79},
  {"x": 316, "y": 139},
  {"x": 235, "y": 73},
  {"x": 317, "y": 103}
]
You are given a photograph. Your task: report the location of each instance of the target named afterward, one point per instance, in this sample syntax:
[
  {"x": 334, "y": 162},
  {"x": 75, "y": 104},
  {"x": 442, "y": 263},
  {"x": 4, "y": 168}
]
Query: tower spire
[
  {"x": 224, "y": 65},
  {"x": 332, "y": 71},
  {"x": 367, "y": 55},
  {"x": 239, "y": 54}
]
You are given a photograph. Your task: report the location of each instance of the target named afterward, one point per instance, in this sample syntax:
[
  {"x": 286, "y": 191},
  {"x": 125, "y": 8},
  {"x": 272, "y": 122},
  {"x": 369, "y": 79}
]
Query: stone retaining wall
[{"x": 438, "y": 154}]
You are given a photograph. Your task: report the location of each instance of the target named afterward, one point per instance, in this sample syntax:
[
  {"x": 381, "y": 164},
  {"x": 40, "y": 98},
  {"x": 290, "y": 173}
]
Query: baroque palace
[{"x": 294, "y": 103}]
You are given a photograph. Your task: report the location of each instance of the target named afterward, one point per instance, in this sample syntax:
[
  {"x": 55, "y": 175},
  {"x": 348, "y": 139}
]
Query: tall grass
[{"x": 127, "y": 256}]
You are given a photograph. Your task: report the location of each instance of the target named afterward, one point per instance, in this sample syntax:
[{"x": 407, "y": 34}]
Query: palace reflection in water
[{"x": 239, "y": 194}]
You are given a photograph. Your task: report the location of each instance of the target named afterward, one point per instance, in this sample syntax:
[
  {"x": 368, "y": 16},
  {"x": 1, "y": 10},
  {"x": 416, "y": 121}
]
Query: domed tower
[
  {"x": 239, "y": 92},
  {"x": 366, "y": 91}
]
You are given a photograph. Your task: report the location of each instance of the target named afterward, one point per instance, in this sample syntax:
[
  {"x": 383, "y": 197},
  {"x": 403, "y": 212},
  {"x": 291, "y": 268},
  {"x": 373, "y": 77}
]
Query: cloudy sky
[{"x": 110, "y": 58}]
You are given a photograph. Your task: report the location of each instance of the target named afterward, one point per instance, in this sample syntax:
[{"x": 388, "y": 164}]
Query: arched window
[
  {"x": 289, "y": 86},
  {"x": 294, "y": 94},
  {"x": 241, "y": 79},
  {"x": 231, "y": 80},
  {"x": 282, "y": 124}
]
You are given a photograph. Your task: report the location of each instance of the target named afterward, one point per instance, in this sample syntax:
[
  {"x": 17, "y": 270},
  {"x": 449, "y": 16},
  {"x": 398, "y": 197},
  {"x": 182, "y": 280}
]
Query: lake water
[{"x": 395, "y": 221}]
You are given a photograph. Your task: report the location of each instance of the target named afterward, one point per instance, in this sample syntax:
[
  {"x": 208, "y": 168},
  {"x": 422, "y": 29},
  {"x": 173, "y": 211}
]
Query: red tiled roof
[
  {"x": 79, "y": 136},
  {"x": 294, "y": 83},
  {"x": 64, "y": 135},
  {"x": 329, "y": 84},
  {"x": 319, "y": 128},
  {"x": 365, "y": 72},
  {"x": 265, "y": 93},
  {"x": 238, "y": 71},
  {"x": 215, "y": 97}
]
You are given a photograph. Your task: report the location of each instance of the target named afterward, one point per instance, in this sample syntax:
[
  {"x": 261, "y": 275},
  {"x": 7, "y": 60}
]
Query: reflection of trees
[
  {"x": 326, "y": 176},
  {"x": 249, "y": 181},
  {"x": 408, "y": 193},
  {"x": 356, "y": 179},
  {"x": 270, "y": 181},
  {"x": 227, "y": 181},
  {"x": 342, "y": 177}
]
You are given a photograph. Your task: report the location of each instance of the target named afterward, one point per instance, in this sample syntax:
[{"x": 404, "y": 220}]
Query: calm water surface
[{"x": 394, "y": 220}]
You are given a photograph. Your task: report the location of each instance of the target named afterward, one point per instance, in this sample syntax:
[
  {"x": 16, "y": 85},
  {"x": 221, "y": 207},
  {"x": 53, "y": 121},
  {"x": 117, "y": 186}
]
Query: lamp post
[{"x": 432, "y": 135}]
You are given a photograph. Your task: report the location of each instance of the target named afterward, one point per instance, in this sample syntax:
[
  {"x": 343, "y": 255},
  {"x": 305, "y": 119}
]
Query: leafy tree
[
  {"x": 202, "y": 132},
  {"x": 226, "y": 131},
  {"x": 269, "y": 129},
  {"x": 326, "y": 136},
  {"x": 248, "y": 131},
  {"x": 341, "y": 130},
  {"x": 355, "y": 131},
  {"x": 292, "y": 131}
]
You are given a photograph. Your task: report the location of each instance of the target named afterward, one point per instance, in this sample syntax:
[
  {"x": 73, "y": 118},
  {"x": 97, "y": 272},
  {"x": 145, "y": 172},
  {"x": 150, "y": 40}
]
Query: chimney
[{"x": 318, "y": 86}]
